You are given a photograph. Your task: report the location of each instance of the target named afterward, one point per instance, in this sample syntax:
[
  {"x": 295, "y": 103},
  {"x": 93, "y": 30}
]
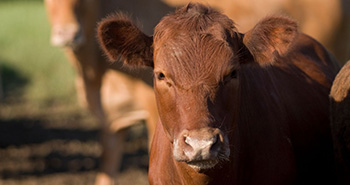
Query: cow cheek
[
  {"x": 231, "y": 92},
  {"x": 167, "y": 110},
  {"x": 225, "y": 106}
]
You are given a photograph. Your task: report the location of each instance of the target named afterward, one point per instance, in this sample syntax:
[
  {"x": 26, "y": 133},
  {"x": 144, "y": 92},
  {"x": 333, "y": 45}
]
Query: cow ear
[
  {"x": 271, "y": 37},
  {"x": 120, "y": 37}
]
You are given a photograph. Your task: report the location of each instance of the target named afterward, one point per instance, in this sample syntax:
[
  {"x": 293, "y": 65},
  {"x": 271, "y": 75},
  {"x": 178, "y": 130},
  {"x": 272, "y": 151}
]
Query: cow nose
[
  {"x": 201, "y": 148},
  {"x": 65, "y": 35}
]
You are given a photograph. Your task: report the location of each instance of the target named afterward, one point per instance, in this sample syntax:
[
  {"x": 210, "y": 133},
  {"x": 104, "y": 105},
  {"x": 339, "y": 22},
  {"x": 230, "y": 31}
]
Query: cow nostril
[
  {"x": 186, "y": 140},
  {"x": 216, "y": 142},
  {"x": 215, "y": 139},
  {"x": 188, "y": 143}
]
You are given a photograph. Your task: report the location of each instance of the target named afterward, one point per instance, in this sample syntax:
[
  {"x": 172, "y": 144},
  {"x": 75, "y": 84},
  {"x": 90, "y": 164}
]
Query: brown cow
[
  {"x": 326, "y": 21},
  {"x": 340, "y": 122},
  {"x": 234, "y": 108},
  {"x": 117, "y": 99}
]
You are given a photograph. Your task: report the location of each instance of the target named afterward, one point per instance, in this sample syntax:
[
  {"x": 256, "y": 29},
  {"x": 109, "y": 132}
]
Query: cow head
[
  {"x": 72, "y": 21},
  {"x": 196, "y": 54}
]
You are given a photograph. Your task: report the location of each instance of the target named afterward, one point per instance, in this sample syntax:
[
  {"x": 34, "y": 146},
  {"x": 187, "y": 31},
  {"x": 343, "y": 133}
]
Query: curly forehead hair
[
  {"x": 195, "y": 18},
  {"x": 197, "y": 43}
]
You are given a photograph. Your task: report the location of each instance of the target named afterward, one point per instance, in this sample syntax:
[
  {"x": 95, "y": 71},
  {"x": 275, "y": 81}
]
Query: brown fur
[
  {"x": 172, "y": 35},
  {"x": 262, "y": 95},
  {"x": 275, "y": 34},
  {"x": 122, "y": 47},
  {"x": 340, "y": 117}
]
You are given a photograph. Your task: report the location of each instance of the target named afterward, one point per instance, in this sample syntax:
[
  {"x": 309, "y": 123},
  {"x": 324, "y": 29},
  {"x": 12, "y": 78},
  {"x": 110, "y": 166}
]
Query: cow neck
[{"x": 87, "y": 61}]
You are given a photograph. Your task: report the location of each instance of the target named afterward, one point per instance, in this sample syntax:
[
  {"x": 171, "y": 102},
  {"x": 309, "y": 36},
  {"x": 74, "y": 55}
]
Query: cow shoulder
[
  {"x": 271, "y": 37},
  {"x": 119, "y": 37}
]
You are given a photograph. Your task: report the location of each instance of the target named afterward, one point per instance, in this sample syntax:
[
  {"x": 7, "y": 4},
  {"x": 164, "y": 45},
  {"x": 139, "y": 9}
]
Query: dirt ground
[{"x": 60, "y": 147}]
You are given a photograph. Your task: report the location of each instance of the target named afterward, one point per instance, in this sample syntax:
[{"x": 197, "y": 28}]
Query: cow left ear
[
  {"x": 271, "y": 37},
  {"x": 119, "y": 37}
]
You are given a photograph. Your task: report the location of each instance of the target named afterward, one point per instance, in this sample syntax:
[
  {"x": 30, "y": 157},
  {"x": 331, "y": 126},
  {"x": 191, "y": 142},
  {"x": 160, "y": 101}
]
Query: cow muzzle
[
  {"x": 201, "y": 149},
  {"x": 66, "y": 35}
]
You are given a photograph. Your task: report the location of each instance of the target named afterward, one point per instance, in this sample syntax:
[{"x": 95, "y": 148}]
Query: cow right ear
[{"x": 119, "y": 37}]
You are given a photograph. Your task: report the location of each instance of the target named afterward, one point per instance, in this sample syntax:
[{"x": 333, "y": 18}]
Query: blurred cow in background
[
  {"x": 112, "y": 94},
  {"x": 326, "y": 21}
]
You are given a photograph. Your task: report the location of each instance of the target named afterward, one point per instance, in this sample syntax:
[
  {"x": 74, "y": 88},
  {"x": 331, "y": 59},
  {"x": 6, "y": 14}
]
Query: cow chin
[{"x": 203, "y": 165}]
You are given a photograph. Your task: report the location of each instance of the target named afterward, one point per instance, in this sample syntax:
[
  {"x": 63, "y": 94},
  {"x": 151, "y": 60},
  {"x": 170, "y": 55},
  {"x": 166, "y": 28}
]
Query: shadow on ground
[
  {"x": 41, "y": 150},
  {"x": 12, "y": 83}
]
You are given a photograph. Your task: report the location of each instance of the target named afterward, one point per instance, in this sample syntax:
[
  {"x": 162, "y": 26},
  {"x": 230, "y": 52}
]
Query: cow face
[
  {"x": 197, "y": 54},
  {"x": 196, "y": 84},
  {"x": 71, "y": 21}
]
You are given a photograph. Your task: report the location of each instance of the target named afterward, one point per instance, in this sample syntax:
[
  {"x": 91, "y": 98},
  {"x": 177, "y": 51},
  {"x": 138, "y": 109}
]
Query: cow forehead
[
  {"x": 194, "y": 59},
  {"x": 195, "y": 44}
]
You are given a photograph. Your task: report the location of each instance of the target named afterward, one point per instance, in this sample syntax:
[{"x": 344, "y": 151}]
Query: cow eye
[
  {"x": 160, "y": 76},
  {"x": 230, "y": 76},
  {"x": 233, "y": 74}
]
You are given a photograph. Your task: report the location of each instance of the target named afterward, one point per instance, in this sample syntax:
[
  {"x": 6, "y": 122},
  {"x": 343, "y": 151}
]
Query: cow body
[
  {"x": 234, "y": 108},
  {"x": 340, "y": 122},
  {"x": 115, "y": 95}
]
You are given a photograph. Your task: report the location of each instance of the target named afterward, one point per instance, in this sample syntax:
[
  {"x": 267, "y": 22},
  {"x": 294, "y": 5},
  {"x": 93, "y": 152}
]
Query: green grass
[{"x": 32, "y": 71}]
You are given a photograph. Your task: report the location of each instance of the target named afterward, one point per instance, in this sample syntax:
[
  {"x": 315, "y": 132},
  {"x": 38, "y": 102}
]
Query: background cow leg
[
  {"x": 1, "y": 90},
  {"x": 145, "y": 96},
  {"x": 112, "y": 145}
]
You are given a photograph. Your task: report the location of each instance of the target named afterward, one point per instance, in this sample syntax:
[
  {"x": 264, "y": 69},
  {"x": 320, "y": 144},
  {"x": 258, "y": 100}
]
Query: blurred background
[{"x": 46, "y": 138}]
